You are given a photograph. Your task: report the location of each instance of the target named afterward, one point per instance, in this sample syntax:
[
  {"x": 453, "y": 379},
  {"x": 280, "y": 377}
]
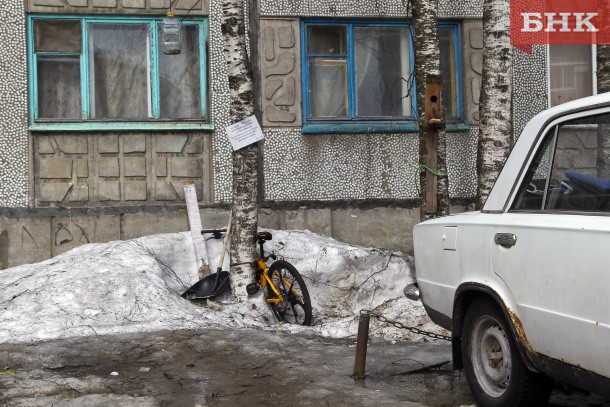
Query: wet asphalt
[{"x": 235, "y": 367}]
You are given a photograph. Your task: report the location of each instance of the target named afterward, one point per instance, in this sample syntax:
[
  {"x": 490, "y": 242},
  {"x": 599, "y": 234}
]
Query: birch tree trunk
[
  {"x": 603, "y": 130},
  {"x": 495, "y": 108},
  {"x": 245, "y": 161},
  {"x": 427, "y": 63}
]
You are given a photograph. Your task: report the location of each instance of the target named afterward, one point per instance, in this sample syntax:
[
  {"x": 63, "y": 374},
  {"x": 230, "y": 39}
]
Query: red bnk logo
[{"x": 559, "y": 22}]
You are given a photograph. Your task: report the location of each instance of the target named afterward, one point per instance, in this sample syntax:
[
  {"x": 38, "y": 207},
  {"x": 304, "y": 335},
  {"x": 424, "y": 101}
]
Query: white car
[{"x": 524, "y": 284}]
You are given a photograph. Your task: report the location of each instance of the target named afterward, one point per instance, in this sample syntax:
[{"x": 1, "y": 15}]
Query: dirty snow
[{"x": 134, "y": 286}]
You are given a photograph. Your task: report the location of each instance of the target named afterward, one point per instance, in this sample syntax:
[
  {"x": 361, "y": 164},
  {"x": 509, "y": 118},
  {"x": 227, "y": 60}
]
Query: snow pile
[
  {"x": 343, "y": 279},
  {"x": 93, "y": 289},
  {"x": 134, "y": 286}
]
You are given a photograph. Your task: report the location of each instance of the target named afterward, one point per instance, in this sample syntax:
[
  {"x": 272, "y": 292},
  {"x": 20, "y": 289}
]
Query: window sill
[
  {"x": 374, "y": 127},
  {"x": 121, "y": 126},
  {"x": 360, "y": 127},
  {"x": 456, "y": 126}
]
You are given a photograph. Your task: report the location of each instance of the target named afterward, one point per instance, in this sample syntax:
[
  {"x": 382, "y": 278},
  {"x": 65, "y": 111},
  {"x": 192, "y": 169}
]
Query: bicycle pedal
[{"x": 253, "y": 288}]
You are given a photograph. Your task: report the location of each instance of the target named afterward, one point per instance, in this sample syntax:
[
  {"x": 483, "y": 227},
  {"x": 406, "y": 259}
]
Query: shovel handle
[{"x": 225, "y": 241}]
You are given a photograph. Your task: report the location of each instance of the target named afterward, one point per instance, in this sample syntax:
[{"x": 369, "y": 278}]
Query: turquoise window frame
[
  {"x": 154, "y": 123},
  {"x": 368, "y": 125},
  {"x": 452, "y": 122}
]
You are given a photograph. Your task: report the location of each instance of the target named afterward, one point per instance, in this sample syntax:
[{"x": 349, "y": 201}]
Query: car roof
[{"x": 498, "y": 198}]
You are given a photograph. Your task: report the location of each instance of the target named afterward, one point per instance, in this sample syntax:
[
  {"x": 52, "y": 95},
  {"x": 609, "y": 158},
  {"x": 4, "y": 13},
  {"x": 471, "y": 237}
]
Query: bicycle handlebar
[{"x": 216, "y": 232}]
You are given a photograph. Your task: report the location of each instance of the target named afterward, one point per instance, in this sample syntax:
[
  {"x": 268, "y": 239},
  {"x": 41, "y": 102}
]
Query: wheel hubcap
[{"x": 491, "y": 356}]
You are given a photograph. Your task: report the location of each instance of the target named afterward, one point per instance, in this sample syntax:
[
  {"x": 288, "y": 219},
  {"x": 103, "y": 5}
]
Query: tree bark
[
  {"x": 254, "y": 34},
  {"x": 427, "y": 62},
  {"x": 495, "y": 108},
  {"x": 603, "y": 130},
  {"x": 245, "y": 161}
]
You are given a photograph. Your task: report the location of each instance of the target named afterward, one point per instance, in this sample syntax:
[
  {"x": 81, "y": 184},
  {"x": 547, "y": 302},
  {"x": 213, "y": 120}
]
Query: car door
[{"x": 552, "y": 247}]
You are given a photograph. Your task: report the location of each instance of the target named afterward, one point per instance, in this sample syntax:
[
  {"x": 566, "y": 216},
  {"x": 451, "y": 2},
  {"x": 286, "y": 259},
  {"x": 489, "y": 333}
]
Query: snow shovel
[{"x": 214, "y": 284}]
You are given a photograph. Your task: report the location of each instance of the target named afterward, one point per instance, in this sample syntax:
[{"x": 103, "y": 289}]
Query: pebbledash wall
[{"x": 62, "y": 189}]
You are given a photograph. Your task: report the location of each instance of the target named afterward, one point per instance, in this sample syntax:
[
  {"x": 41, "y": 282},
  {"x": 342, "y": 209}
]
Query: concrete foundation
[{"x": 32, "y": 236}]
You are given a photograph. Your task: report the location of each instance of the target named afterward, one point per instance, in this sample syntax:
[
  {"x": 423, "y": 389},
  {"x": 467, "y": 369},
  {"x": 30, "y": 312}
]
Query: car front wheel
[{"x": 495, "y": 372}]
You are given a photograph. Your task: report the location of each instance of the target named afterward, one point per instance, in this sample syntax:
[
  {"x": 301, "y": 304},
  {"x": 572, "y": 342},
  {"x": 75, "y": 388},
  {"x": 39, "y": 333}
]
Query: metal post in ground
[{"x": 361, "y": 346}]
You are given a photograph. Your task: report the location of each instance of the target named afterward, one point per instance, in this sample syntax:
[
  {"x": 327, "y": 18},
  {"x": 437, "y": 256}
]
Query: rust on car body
[
  {"x": 558, "y": 368},
  {"x": 520, "y": 332}
]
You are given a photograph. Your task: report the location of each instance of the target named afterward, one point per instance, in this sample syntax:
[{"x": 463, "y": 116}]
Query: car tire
[{"x": 493, "y": 366}]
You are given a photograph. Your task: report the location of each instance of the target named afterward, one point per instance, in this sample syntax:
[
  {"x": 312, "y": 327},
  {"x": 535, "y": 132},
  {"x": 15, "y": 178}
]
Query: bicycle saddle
[{"x": 264, "y": 236}]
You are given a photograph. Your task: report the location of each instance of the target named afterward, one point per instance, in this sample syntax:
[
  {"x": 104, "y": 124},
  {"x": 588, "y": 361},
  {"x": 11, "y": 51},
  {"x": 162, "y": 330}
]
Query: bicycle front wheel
[{"x": 295, "y": 306}]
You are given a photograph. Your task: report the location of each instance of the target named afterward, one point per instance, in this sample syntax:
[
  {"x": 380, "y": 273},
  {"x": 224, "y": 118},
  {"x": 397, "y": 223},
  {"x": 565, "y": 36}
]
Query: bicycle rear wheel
[{"x": 295, "y": 307}]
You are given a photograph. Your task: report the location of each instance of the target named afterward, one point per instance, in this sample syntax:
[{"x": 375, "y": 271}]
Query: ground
[
  {"x": 233, "y": 367},
  {"x": 104, "y": 325}
]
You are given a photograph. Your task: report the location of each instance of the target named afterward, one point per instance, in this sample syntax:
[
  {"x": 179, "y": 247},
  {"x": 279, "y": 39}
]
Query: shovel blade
[{"x": 208, "y": 287}]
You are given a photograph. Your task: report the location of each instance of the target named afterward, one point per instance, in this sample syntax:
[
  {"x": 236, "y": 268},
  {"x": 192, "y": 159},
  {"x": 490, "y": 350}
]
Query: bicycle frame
[
  {"x": 282, "y": 284},
  {"x": 264, "y": 280}
]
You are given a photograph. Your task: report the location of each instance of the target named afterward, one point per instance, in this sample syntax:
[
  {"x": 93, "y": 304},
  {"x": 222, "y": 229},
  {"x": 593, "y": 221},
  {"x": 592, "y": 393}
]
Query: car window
[{"x": 571, "y": 170}]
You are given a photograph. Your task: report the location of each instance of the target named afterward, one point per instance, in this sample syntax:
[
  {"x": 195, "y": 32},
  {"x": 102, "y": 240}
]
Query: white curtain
[
  {"x": 118, "y": 66},
  {"x": 382, "y": 61},
  {"x": 180, "y": 78},
  {"x": 59, "y": 88},
  {"x": 328, "y": 85},
  {"x": 570, "y": 72}
]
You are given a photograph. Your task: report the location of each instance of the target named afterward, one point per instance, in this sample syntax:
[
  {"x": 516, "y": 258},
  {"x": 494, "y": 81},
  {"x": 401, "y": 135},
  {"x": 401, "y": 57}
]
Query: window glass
[
  {"x": 362, "y": 72},
  {"x": 531, "y": 193},
  {"x": 119, "y": 73},
  {"x": 572, "y": 170},
  {"x": 118, "y": 66},
  {"x": 327, "y": 40},
  {"x": 448, "y": 72},
  {"x": 180, "y": 78},
  {"x": 382, "y": 71},
  {"x": 59, "y": 87},
  {"x": 328, "y": 92},
  {"x": 57, "y": 36},
  {"x": 571, "y": 72}
]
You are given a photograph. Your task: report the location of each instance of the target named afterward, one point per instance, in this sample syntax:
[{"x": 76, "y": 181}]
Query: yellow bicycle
[
  {"x": 285, "y": 288},
  {"x": 286, "y": 292}
]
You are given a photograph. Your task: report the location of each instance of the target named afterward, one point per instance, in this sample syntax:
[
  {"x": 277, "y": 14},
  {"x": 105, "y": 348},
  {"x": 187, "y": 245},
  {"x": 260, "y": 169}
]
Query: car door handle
[{"x": 505, "y": 239}]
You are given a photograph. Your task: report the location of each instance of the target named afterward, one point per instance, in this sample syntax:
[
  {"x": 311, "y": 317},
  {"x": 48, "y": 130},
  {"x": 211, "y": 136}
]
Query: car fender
[{"x": 466, "y": 293}]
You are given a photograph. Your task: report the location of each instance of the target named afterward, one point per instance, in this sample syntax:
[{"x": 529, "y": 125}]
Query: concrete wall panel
[
  {"x": 87, "y": 170},
  {"x": 143, "y": 224},
  {"x": 366, "y": 8},
  {"x": 68, "y": 233},
  {"x": 192, "y": 7},
  {"x": 280, "y": 72},
  {"x": 32, "y": 239},
  {"x": 24, "y": 240},
  {"x": 472, "y": 47},
  {"x": 14, "y": 147},
  {"x": 389, "y": 228}
]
